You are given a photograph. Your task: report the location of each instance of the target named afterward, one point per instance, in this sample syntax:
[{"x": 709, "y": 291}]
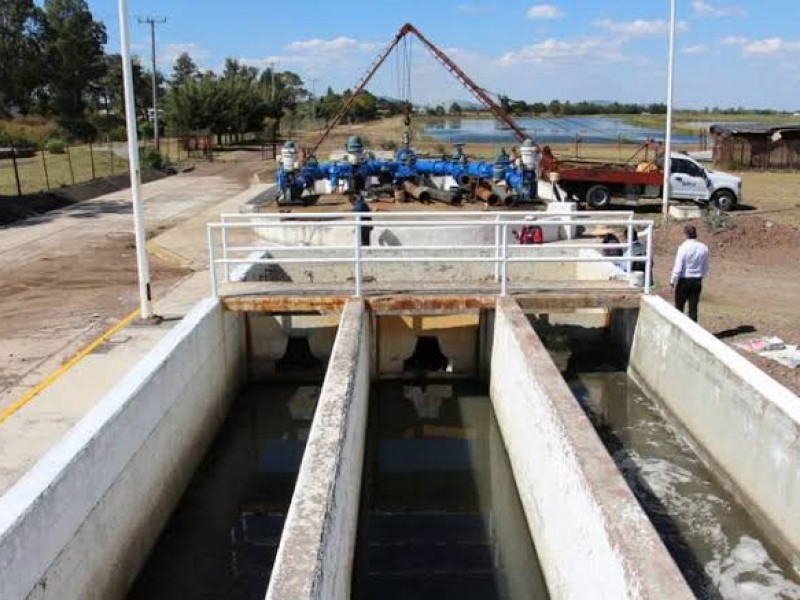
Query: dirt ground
[
  {"x": 77, "y": 284},
  {"x": 753, "y": 284}
]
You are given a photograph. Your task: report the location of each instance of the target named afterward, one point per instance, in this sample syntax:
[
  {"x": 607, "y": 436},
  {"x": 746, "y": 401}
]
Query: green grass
[
  {"x": 34, "y": 178},
  {"x": 683, "y": 122},
  {"x": 32, "y": 170}
]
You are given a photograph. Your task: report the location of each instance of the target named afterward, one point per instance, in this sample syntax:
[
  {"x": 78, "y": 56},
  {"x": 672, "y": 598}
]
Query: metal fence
[{"x": 489, "y": 239}]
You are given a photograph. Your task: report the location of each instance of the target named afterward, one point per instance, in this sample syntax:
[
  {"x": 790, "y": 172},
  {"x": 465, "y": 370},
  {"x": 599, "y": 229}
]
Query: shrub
[
  {"x": 55, "y": 146},
  {"x": 26, "y": 132},
  {"x": 151, "y": 158},
  {"x": 146, "y": 130},
  {"x": 78, "y": 129},
  {"x": 118, "y": 134}
]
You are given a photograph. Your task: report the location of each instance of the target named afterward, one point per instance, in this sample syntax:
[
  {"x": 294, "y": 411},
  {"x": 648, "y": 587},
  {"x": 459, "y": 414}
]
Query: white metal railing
[{"x": 346, "y": 248}]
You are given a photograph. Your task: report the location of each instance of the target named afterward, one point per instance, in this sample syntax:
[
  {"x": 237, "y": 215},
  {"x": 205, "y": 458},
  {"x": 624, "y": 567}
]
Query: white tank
[
  {"x": 528, "y": 155},
  {"x": 289, "y": 157}
]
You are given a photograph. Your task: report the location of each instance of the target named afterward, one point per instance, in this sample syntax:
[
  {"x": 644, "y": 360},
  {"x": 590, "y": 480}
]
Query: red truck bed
[{"x": 609, "y": 175}]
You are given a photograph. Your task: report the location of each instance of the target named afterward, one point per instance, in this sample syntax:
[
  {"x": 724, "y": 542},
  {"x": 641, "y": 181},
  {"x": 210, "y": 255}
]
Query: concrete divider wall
[
  {"x": 81, "y": 522},
  {"x": 315, "y": 555},
  {"x": 592, "y": 538},
  {"x": 743, "y": 421}
]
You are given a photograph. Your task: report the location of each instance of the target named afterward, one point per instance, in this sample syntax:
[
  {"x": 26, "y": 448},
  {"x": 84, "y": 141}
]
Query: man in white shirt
[{"x": 691, "y": 265}]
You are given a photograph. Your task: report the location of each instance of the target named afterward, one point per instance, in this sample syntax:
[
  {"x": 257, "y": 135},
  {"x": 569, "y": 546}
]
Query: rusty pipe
[
  {"x": 420, "y": 193},
  {"x": 486, "y": 195}
]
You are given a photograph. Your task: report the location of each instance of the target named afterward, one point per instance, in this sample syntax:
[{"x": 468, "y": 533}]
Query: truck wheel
[
  {"x": 598, "y": 196},
  {"x": 724, "y": 200}
]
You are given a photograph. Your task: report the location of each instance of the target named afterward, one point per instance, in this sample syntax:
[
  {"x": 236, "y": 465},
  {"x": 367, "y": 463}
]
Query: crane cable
[{"x": 406, "y": 88}]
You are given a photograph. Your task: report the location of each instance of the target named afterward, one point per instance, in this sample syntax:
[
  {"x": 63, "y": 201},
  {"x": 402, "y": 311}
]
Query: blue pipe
[{"x": 407, "y": 166}]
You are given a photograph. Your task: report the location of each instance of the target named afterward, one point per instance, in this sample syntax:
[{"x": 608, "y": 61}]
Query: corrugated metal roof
[{"x": 752, "y": 128}]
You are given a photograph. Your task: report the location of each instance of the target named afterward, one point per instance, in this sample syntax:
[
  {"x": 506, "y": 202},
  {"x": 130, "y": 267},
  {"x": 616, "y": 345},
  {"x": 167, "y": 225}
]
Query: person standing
[
  {"x": 691, "y": 265},
  {"x": 360, "y": 206}
]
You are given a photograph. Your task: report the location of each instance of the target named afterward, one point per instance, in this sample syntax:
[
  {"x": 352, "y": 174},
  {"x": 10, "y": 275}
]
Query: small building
[{"x": 756, "y": 146}]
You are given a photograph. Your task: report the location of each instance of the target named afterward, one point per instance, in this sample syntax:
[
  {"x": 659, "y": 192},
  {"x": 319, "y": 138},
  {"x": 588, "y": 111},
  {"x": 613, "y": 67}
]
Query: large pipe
[
  {"x": 486, "y": 195},
  {"x": 420, "y": 193},
  {"x": 441, "y": 195}
]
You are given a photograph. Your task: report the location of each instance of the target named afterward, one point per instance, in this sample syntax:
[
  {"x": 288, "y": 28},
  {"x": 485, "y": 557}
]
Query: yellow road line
[{"x": 48, "y": 381}]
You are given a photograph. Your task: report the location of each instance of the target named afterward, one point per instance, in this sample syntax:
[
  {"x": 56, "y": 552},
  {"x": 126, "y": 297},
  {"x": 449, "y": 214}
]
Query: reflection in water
[
  {"x": 719, "y": 549},
  {"x": 222, "y": 539},
  {"x": 440, "y": 515}
]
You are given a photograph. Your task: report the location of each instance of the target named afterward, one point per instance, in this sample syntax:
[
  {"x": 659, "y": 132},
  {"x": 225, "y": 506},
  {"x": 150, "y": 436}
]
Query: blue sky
[{"x": 729, "y": 52}]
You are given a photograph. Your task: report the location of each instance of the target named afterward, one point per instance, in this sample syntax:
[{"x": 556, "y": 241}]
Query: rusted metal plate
[
  {"x": 433, "y": 304},
  {"x": 285, "y": 304}
]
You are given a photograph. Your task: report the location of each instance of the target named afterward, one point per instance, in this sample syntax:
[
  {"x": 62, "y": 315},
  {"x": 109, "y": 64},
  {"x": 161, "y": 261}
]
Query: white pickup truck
[
  {"x": 689, "y": 180},
  {"x": 597, "y": 184}
]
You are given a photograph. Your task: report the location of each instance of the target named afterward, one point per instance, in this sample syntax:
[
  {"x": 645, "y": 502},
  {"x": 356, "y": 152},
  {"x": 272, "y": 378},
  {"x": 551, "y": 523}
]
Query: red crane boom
[{"x": 444, "y": 60}]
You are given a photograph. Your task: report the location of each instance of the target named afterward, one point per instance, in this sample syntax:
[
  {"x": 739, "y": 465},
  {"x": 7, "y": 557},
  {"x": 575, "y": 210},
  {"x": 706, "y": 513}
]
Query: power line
[{"x": 153, "y": 21}]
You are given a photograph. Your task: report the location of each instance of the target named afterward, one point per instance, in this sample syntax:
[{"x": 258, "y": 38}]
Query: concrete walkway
[{"x": 28, "y": 433}]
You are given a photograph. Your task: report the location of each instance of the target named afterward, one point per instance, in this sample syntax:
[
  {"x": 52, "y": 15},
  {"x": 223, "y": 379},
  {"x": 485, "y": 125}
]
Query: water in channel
[
  {"x": 720, "y": 550},
  {"x": 222, "y": 539},
  {"x": 440, "y": 514}
]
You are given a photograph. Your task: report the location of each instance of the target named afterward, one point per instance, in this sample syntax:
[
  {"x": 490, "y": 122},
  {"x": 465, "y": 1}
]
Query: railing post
[
  {"x": 648, "y": 271},
  {"x": 629, "y": 264},
  {"x": 211, "y": 259},
  {"x": 226, "y": 270},
  {"x": 504, "y": 257},
  {"x": 357, "y": 256},
  {"x": 497, "y": 248}
]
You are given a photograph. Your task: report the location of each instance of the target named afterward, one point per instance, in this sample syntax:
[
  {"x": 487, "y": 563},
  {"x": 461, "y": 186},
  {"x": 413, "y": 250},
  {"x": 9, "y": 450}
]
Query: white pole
[
  {"x": 670, "y": 100},
  {"x": 145, "y": 311}
]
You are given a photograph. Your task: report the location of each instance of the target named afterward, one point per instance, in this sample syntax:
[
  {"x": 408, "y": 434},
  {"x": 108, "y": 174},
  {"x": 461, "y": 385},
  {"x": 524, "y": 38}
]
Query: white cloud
[
  {"x": 639, "y": 27},
  {"x": 734, "y": 40},
  {"x": 706, "y": 9},
  {"x": 338, "y": 44},
  {"x": 770, "y": 47},
  {"x": 552, "y": 50},
  {"x": 544, "y": 11},
  {"x": 696, "y": 49},
  {"x": 764, "y": 47},
  {"x": 169, "y": 53}
]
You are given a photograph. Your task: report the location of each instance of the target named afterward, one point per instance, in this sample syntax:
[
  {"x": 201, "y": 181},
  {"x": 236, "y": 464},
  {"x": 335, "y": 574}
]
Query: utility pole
[
  {"x": 153, "y": 21},
  {"x": 143, "y": 266},
  {"x": 314, "y": 101},
  {"x": 670, "y": 100},
  {"x": 272, "y": 66}
]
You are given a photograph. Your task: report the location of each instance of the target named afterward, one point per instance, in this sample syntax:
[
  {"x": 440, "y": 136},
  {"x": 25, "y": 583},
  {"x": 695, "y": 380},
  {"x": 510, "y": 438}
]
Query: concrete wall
[
  {"x": 315, "y": 555},
  {"x": 81, "y": 522},
  {"x": 268, "y": 337},
  {"x": 742, "y": 420},
  {"x": 592, "y": 538},
  {"x": 397, "y": 339}
]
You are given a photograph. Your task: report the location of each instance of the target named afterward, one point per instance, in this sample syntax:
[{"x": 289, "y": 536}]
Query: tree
[
  {"x": 184, "y": 70},
  {"x": 455, "y": 109},
  {"x": 555, "y": 107},
  {"x": 365, "y": 108},
  {"x": 110, "y": 92},
  {"x": 73, "y": 51},
  {"x": 538, "y": 108},
  {"x": 21, "y": 33}
]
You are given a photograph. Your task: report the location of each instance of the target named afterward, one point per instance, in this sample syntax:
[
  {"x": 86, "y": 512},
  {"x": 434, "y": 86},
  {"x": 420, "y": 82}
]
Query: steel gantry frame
[{"x": 445, "y": 61}]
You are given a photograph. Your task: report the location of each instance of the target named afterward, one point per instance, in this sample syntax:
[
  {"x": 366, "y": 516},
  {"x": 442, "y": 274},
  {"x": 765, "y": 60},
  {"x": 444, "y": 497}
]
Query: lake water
[{"x": 594, "y": 130}]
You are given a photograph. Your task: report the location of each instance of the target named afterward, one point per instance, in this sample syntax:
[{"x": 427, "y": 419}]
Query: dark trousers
[
  {"x": 688, "y": 290},
  {"x": 366, "y": 230}
]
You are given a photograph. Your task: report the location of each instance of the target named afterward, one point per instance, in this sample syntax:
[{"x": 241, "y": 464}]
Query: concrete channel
[{"x": 84, "y": 520}]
